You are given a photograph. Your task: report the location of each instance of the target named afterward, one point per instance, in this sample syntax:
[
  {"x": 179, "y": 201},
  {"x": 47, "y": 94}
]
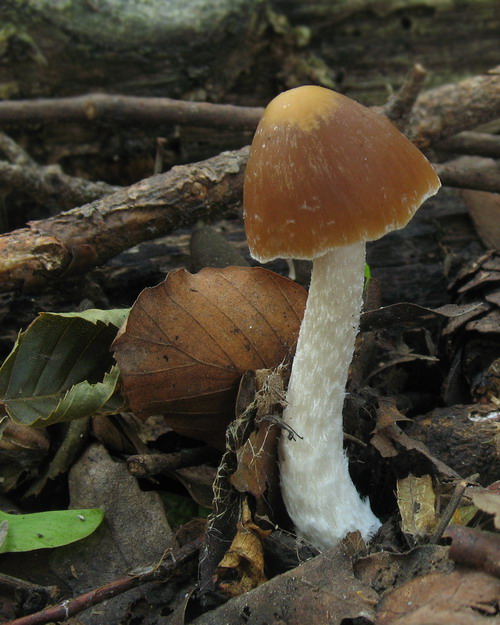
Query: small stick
[
  {"x": 466, "y": 178},
  {"x": 157, "y": 464},
  {"x": 449, "y": 511},
  {"x": 125, "y": 110},
  {"x": 399, "y": 106},
  {"x": 473, "y": 143},
  {"x": 160, "y": 153}
]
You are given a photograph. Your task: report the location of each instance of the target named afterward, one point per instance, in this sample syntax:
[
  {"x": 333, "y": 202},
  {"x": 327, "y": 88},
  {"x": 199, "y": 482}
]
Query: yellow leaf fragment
[
  {"x": 417, "y": 505},
  {"x": 243, "y": 564}
]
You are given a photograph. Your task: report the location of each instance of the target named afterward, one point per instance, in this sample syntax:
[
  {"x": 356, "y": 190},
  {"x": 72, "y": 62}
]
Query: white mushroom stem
[{"x": 318, "y": 491}]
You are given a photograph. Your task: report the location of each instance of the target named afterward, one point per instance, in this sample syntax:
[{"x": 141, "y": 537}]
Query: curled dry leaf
[
  {"x": 242, "y": 567},
  {"x": 188, "y": 340}
]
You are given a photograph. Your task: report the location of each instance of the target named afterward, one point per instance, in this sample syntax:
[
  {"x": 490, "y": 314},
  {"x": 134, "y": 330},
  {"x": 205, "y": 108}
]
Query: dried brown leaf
[
  {"x": 322, "y": 590},
  {"x": 488, "y": 501},
  {"x": 417, "y": 505},
  {"x": 188, "y": 340},
  {"x": 257, "y": 461},
  {"x": 426, "y": 599},
  {"x": 405, "y": 313},
  {"x": 242, "y": 567},
  {"x": 388, "y": 432},
  {"x": 484, "y": 209}
]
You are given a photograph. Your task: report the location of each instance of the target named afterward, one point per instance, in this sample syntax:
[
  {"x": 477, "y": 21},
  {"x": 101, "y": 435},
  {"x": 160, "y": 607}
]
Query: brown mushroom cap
[{"x": 325, "y": 171}]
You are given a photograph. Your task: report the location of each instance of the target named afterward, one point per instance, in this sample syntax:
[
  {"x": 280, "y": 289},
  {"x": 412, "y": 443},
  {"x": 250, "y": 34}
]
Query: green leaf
[
  {"x": 61, "y": 368},
  {"x": 368, "y": 273},
  {"x": 42, "y": 530}
]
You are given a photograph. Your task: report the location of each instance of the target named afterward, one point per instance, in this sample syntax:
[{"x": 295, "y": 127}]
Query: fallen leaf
[
  {"x": 488, "y": 501},
  {"x": 257, "y": 460},
  {"x": 417, "y": 505},
  {"x": 242, "y": 567},
  {"x": 135, "y": 533},
  {"x": 484, "y": 209},
  {"x": 412, "y": 314},
  {"x": 262, "y": 393},
  {"x": 435, "y": 597},
  {"x": 386, "y": 570},
  {"x": 60, "y": 368},
  {"x": 188, "y": 340},
  {"x": 388, "y": 432}
]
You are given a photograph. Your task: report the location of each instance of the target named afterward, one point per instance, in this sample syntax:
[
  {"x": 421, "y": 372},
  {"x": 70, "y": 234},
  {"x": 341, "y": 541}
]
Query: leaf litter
[{"x": 249, "y": 539}]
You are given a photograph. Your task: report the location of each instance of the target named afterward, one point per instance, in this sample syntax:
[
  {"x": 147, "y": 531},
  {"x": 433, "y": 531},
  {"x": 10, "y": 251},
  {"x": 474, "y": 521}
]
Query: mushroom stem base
[{"x": 318, "y": 491}]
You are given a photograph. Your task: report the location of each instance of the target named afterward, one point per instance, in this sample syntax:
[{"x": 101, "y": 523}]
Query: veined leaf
[
  {"x": 43, "y": 530},
  {"x": 61, "y": 368}
]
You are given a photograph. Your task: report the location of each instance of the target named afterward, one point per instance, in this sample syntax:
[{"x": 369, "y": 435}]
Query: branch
[
  {"x": 468, "y": 178},
  {"x": 128, "y": 109},
  {"x": 399, "y": 106},
  {"x": 437, "y": 114},
  {"x": 445, "y": 111},
  {"x": 476, "y": 143},
  {"x": 77, "y": 240}
]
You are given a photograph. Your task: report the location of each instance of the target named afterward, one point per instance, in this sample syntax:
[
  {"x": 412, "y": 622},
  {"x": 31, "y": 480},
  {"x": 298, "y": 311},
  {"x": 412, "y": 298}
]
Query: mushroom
[{"x": 324, "y": 176}]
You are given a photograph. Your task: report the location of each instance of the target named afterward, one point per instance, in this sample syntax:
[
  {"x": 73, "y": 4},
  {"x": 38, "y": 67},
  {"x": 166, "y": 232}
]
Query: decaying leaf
[
  {"x": 417, "y": 505},
  {"x": 242, "y": 567},
  {"x": 263, "y": 394},
  {"x": 387, "y": 432},
  {"x": 387, "y": 416},
  {"x": 463, "y": 597},
  {"x": 188, "y": 340},
  {"x": 412, "y": 314},
  {"x": 484, "y": 209},
  {"x": 475, "y": 548},
  {"x": 465, "y": 437},
  {"x": 256, "y": 460},
  {"x": 386, "y": 570},
  {"x": 488, "y": 501},
  {"x": 323, "y": 590}
]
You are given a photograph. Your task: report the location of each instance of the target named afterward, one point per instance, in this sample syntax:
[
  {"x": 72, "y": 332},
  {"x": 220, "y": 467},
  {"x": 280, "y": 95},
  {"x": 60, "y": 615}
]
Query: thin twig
[
  {"x": 473, "y": 143},
  {"x": 467, "y": 178},
  {"x": 400, "y": 105},
  {"x": 161, "y": 572},
  {"x": 449, "y": 511},
  {"x": 123, "y": 109},
  {"x": 157, "y": 464}
]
